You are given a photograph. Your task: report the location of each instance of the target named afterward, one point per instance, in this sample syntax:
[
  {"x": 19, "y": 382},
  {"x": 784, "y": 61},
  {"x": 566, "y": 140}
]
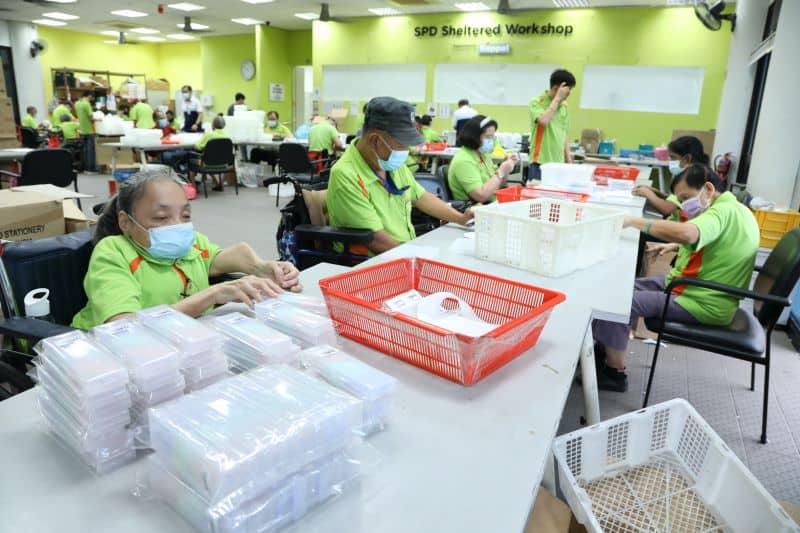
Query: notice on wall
[
  {"x": 355, "y": 109},
  {"x": 443, "y": 111},
  {"x": 430, "y": 109},
  {"x": 277, "y": 92}
]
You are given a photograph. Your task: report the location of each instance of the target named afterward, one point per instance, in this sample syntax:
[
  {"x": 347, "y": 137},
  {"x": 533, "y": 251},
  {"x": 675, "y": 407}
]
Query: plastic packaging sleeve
[
  {"x": 251, "y": 343},
  {"x": 266, "y": 423},
  {"x": 146, "y": 355},
  {"x": 84, "y": 407},
  {"x": 294, "y": 321},
  {"x": 304, "y": 302},
  {"x": 188, "y": 334}
]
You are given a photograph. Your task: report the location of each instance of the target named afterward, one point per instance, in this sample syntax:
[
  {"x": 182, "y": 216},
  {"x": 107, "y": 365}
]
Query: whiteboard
[
  {"x": 490, "y": 83},
  {"x": 364, "y": 82},
  {"x": 653, "y": 89}
]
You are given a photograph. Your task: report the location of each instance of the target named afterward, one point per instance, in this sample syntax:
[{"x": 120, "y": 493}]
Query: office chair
[
  {"x": 435, "y": 185},
  {"x": 296, "y": 165},
  {"x": 749, "y": 336},
  {"x": 349, "y": 139},
  {"x": 217, "y": 159},
  {"x": 47, "y": 166},
  {"x": 30, "y": 138}
]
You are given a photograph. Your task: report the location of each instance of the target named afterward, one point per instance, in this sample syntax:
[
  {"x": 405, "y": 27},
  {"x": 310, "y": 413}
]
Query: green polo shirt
[
  {"x": 58, "y": 112},
  {"x": 469, "y": 170},
  {"x": 123, "y": 278},
  {"x": 321, "y": 136},
  {"x": 547, "y": 142},
  {"x": 70, "y": 130},
  {"x": 83, "y": 108},
  {"x": 676, "y": 215},
  {"x": 142, "y": 115},
  {"x": 174, "y": 125},
  {"x": 280, "y": 129},
  {"x": 357, "y": 198},
  {"x": 29, "y": 122},
  {"x": 725, "y": 253},
  {"x": 215, "y": 134},
  {"x": 430, "y": 135}
]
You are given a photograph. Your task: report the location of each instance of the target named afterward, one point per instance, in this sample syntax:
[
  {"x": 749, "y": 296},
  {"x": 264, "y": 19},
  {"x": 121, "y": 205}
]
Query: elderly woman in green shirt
[{"x": 147, "y": 253}]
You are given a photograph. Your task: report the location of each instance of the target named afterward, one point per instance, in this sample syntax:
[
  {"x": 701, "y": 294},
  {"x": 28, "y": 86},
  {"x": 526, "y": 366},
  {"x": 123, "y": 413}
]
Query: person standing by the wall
[
  {"x": 550, "y": 124},
  {"x": 83, "y": 108},
  {"x": 192, "y": 111}
]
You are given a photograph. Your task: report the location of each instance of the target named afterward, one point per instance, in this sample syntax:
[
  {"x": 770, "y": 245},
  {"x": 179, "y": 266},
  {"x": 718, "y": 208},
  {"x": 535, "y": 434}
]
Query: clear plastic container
[
  {"x": 86, "y": 407},
  {"x": 189, "y": 335},
  {"x": 263, "y": 425},
  {"x": 296, "y": 322},
  {"x": 146, "y": 355},
  {"x": 147, "y": 398},
  {"x": 101, "y": 461},
  {"x": 87, "y": 367},
  {"x": 307, "y": 303},
  {"x": 218, "y": 365},
  {"x": 205, "y": 381},
  {"x": 91, "y": 434},
  {"x": 251, "y": 343}
]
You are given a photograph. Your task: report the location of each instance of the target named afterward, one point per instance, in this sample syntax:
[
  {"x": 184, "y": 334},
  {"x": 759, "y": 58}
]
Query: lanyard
[
  {"x": 390, "y": 186},
  {"x": 485, "y": 164}
]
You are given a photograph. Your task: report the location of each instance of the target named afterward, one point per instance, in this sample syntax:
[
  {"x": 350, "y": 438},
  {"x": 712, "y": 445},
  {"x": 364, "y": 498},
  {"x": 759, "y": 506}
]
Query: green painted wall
[
  {"x": 221, "y": 61},
  {"x": 300, "y": 47},
  {"x": 611, "y": 36},
  {"x": 273, "y": 65},
  {"x": 179, "y": 63}
]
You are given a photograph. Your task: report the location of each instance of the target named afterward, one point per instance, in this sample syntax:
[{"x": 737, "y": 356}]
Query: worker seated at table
[
  {"x": 69, "y": 127},
  {"x": 173, "y": 122},
  {"x": 718, "y": 243},
  {"x": 683, "y": 151},
  {"x": 217, "y": 132},
  {"x": 162, "y": 123},
  {"x": 60, "y": 110},
  {"x": 274, "y": 127},
  {"x": 147, "y": 253},
  {"x": 323, "y": 140},
  {"x": 472, "y": 175},
  {"x": 428, "y": 133},
  {"x": 168, "y": 158},
  {"x": 29, "y": 120},
  {"x": 142, "y": 115},
  {"x": 371, "y": 188},
  {"x": 123, "y": 110}
]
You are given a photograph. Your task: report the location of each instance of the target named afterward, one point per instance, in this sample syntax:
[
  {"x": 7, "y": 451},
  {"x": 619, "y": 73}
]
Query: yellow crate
[{"x": 774, "y": 225}]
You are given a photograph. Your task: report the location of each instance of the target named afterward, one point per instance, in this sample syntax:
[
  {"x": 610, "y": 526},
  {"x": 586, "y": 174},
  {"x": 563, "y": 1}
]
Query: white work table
[
  {"x": 453, "y": 459},
  {"x": 14, "y": 154},
  {"x": 449, "y": 153},
  {"x": 142, "y": 148}
]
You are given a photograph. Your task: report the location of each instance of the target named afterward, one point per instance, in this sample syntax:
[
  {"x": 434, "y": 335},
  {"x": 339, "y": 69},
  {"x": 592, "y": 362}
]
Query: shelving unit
[{"x": 61, "y": 81}]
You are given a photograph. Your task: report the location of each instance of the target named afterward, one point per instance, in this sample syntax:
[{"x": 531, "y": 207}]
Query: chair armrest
[
  {"x": 7, "y": 173},
  {"x": 736, "y": 291},
  {"x": 331, "y": 233},
  {"x": 32, "y": 329}
]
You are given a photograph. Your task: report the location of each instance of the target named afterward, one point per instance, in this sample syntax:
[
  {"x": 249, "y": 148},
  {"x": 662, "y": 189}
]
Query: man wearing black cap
[{"x": 370, "y": 186}]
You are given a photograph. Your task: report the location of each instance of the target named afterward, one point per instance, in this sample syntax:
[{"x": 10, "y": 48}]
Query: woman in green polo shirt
[
  {"x": 718, "y": 243},
  {"x": 147, "y": 253},
  {"x": 472, "y": 174}
]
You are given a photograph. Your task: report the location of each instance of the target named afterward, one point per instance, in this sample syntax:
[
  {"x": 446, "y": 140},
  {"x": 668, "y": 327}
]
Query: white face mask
[{"x": 185, "y": 96}]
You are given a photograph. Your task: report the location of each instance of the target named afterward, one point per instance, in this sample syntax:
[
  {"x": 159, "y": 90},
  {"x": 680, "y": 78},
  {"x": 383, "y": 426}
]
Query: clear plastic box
[
  {"x": 306, "y": 303},
  {"x": 310, "y": 328},
  {"x": 251, "y": 343},
  {"x": 112, "y": 434},
  {"x": 146, "y": 355},
  {"x": 86, "y": 367},
  {"x": 189, "y": 335},
  {"x": 353, "y": 376},
  {"x": 264, "y": 424},
  {"x": 86, "y": 407}
]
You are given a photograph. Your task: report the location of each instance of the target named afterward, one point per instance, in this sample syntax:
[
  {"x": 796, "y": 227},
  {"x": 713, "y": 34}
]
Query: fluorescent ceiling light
[
  {"x": 195, "y": 26},
  {"x": 152, "y": 39},
  {"x": 186, "y": 6},
  {"x": 246, "y": 21},
  {"x": 257, "y": 1},
  {"x": 571, "y": 3},
  {"x": 384, "y": 11},
  {"x": 110, "y": 33},
  {"x": 680, "y": 2},
  {"x": 111, "y": 42},
  {"x": 473, "y": 6},
  {"x": 145, "y": 31},
  {"x": 181, "y": 36},
  {"x": 130, "y": 13},
  {"x": 61, "y": 1},
  {"x": 49, "y": 22},
  {"x": 307, "y": 16},
  {"x": 60, "y": 16}
]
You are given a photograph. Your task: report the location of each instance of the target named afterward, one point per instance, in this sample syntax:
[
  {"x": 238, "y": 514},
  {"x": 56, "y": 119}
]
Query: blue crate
[{"x": 123, "y": 175}]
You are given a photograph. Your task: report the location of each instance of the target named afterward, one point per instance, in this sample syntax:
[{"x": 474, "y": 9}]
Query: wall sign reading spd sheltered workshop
[{"x": 467, "y": 30}]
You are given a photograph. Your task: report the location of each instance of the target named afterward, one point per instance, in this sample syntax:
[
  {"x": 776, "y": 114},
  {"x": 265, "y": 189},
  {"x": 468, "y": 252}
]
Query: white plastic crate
[
  {"x": 547, "y": 236},
  {"x": 662, "y": 469}
]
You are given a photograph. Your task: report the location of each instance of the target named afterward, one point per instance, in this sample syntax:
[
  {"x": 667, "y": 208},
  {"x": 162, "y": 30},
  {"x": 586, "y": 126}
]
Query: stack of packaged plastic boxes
[
  {"x": 153, "y": 364},
  {"x": 250, "y": 344},
  {"x": 359, "y": 379},
  {"x": 202, "y": 359},
  {"x": 285, "y": 315},
  {"x": 254, "y": 452},
  {"x": 84, "y": 399}
]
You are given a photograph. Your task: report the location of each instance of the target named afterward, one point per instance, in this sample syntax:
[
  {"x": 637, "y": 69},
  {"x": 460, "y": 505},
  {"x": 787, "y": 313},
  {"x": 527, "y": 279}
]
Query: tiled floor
[{"x": 718, "y": 387}]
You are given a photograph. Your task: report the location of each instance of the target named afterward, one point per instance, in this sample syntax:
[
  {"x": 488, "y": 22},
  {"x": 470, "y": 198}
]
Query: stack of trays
[
  {"x": 250, "y": 344},
  {"x": 311, "y": 329}
]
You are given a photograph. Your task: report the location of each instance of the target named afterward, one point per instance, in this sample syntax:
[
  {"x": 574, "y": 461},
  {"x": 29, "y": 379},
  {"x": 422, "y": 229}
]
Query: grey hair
[
  {"x": 130, "y": 192},
  {"x": 218, "y": 123}
]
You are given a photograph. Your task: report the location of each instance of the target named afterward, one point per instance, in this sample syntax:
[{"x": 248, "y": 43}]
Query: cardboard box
[
  {"x": 74, "y": 219},
  {"x": 103, "y": 153},
  {"x": 25, "y": 216},
  {"x": 6, "y": 111},
  {"x": 590, "y": 140},
  {"x": 706, "y": 137},
  {"x": 551, "y": 515},
  {"x": 340, "y": 114},
  {"x": 153, "y": 84},
  {"x": 9, "y": 142}
]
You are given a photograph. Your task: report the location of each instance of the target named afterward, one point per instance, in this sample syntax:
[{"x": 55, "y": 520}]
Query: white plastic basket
[
  {"x": 252, "y": 174},
  {"x": 662, "y": 469},
  {"x": 547, "y": 236}
]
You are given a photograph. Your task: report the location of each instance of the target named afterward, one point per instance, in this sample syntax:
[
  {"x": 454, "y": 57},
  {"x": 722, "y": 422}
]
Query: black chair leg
[
  {"x": 652, "y": 371},
  {"x": 766, "y": 397},
  {"x": 277, "y": 193},
  {"x": 75, "y": 183},
  {"x": 205, "y": 186},
  {"x": 752, "y": 376},
  {"x": 236, "y": 183},
  {"x": 221, "y": 182}
]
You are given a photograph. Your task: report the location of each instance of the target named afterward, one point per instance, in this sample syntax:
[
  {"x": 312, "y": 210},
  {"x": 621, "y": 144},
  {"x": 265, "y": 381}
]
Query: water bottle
[{"x": 37, "y": 304}]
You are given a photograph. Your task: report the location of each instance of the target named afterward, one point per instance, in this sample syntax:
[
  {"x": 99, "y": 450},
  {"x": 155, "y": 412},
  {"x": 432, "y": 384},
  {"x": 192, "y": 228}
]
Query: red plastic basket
[
  {"x": 355, "y": 301},
  {"x": 435, "y": 147},
  {"x": 515, "y": 194},
  {"x": 602, "y": 173}
]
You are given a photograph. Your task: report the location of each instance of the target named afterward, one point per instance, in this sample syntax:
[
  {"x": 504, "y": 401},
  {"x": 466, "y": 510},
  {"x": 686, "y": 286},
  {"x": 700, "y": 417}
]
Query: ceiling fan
[
  {"x": 504, "y": 8},
  {"x": 123, "y": 40},
  {"x": 188, "y": 28},
  {"x": 710, "y": 14},
  {"x": 325, "y": 14}
]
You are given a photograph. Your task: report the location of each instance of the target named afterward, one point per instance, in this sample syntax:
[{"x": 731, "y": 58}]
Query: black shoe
[
  {"x": 611, "y": 379},
  {"x": 217, "y": 188}
]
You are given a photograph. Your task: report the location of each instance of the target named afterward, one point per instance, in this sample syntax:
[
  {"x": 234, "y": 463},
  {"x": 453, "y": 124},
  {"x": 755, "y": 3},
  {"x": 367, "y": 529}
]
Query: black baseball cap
[{"x": 394, "y": 117}]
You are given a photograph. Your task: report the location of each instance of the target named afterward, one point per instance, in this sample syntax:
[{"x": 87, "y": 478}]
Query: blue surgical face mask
[
  {"x": 272, "y": 123},
  {"x": 675, "y": 167},
  {"x": 487, "y": 145},
  {"x": 162, "y": 123},
  {"x": 396, "y": 159},
  {"x": 169, "y": 242}
]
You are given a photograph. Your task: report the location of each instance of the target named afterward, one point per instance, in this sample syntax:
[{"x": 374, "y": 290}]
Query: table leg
[
  {"x": 661, "y": 181},
  {"x": 142, "y": 156},
  {"x": 591, "y": 398},
  {"x": 434, "y": 164},
  {"x": 549, "y": 476},
  {"x": 114, "y": 151}
]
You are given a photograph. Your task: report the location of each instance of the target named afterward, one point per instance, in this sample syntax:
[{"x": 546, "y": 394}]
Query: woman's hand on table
[{"x": 248, "y": 290}]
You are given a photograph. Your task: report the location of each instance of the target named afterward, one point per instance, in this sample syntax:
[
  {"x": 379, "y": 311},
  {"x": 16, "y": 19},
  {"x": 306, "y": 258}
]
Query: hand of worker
[
  {"x": 663, "y": 248},
  {"x": 284, "y": 274},
  {"x": 248, "y": 290},
  {"x": 506, "y": 167},
  {"x": 563, "y": 92},
  {"x": 642, "y": 190},
  {"x": 466, "y": 216},
  {"x": 194, "y": 127}
]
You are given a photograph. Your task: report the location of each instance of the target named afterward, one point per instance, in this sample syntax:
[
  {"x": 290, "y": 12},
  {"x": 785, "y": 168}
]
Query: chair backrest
[
  {"x": 218, "y": 153},
  {"x": 778, "y": 276},
  {"x": 293, "y": 158},
  {"x": 50, "y": 165},
  {"x": 30, "y": 138},
  {"x": 434, "y": 185},
  {"x": 349, "y": 139},
  {"x": 442, "y": 173},
  {"x": 55, "y": 263}
]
